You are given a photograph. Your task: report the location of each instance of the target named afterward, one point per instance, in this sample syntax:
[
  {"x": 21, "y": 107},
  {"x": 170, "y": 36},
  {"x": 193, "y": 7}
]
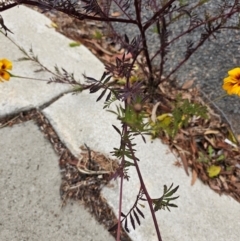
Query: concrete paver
[
  {"x": 51, "y": 48},
  {"x": 30, "y": 203}
]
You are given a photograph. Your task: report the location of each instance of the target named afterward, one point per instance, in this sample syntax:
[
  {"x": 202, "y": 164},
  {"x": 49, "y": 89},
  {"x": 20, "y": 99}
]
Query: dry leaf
[
  {"x": 186, "y": 96},
  {"x": 54, "y": 25},
  {"x": 154, "y": 110},
  {"x": 116, "y": 14},
  {"x": 214, "y": 187},
  {"x": 161, "y": 87},
  {"x": 98, "y": 46},
  {"x": 184, "y": 161},
  {"x": 194, "y": 177},
  {"x": 212, "y": 141},
  {"x": 188, "y": 84},
  {"x": 193, "y": 146},
  {"x": 223, "y": 182},
  {"x": 238, "y": 138},
  {"x": 207, "y": 132},
  {"x": 222, "y": 145},
  {"x": 213, "y": 170}
]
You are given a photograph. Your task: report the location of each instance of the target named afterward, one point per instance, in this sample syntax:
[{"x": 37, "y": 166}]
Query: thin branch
[
  {"x": 157, "y": 15},
  {"x": 227, "y": 15},
  {"x": 193, "y": 50},
  {"x": 144, "y": 41},
  {"x": 149, "y": 200},
  {"x": 76, "y": 15}
]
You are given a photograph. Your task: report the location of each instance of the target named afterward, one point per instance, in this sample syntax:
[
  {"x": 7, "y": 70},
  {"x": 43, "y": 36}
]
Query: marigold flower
[
  {"x": 4, "y": 66},
  {"x": 232, "y": 83}
]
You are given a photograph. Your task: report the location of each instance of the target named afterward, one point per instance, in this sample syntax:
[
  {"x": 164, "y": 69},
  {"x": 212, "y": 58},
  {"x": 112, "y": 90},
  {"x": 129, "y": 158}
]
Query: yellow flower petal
[
  {"x": 234, "y": 72},
  {"x": 231, "y": 84},
  {"x": 4, "y": 75},
  {"x": 5, "y": 64}
]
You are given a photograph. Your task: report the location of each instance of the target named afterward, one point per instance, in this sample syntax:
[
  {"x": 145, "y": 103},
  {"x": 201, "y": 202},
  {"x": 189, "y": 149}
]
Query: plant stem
[
  {"x": 74, "y": 14},
  {"x": 145, "y": 192},
  {"x": 144, "y": 42},
  {"x": 218, "y": 98},
  {"x": 124, "y": 131},
  {"x": 120, "y": 209},
  {"x": 157, "y": 15}
]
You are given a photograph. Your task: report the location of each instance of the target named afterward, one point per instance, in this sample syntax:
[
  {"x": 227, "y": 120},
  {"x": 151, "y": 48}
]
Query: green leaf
[
  {"x": 172, "y": 205},
  {"x": 183, "y": 2},
  {"x": 24, "y": 59},
  {"x": 74, "y": 44},
  {"x": 127, "y": 164},
  {"x": 171, "y": 198},
  {"x": 97, "y": 35},
  {"x": 221, "y": 158},
  {"x": 171, "y": 192},
  {"x": 164, "y": 189},
  {"x": 210, "y": 150},
  {"x": 202, "y": 158}
]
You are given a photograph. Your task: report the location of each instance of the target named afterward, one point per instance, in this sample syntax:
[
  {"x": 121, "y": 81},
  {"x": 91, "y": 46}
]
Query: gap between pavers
[{"x": 30, "y": 204}]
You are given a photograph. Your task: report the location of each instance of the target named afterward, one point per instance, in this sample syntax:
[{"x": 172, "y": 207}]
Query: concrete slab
[
  {"x": 83, "y": 120},
  {"x": 32, "y": 29},
  {"x": 30, "y": 204}
]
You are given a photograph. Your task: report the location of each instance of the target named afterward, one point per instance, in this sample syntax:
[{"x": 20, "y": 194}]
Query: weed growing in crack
[{"x": 154, "y": 71}]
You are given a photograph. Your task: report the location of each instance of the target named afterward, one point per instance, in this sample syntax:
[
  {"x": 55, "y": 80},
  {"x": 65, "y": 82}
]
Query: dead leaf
[
  {"x": 98, "y": 46},
  {"x": 211, "y": 141},
  {"x": 213, "y": 170},
  {"x": 208, "y": 132},
  {"x": 214, "y": 187},
  {"x": 193, "y": 146},
  {"x": 154, "y": 110},
  {"x": 116, "y": 14},
  {"x": 161, "y": 87},
  {"x": 238, "y": 138},
  {"x": 222, "y": 145},
  {"x": 224, "y": 182},
  {"x": 186, "y": 96},
  {"x": 52, "y": 25},
  {"x": 188, "y": 84},
  {"x": 194, "y": 177},
  {"x": 184, "y": 161}
]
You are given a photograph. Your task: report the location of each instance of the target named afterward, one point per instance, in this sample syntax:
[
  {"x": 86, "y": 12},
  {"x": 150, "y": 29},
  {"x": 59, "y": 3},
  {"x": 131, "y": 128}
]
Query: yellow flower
[
  {"x": 232, "y": 83},
  {"x": 4, "y": 66}
]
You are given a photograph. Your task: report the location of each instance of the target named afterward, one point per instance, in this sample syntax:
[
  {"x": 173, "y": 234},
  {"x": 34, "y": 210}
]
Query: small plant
[
  {"x": 135, "y": 95},
  {"x": 97, "y": 35},
  {"x": 182, "y": 111}
]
